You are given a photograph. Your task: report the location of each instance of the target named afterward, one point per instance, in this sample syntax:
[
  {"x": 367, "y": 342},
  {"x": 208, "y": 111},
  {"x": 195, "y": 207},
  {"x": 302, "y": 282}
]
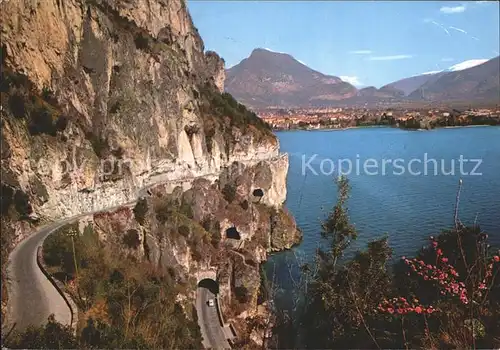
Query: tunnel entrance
[
  {"x": 258, "y": 192},
  {"x": 233, "y": 233},
  {"x": 209, "y": 284}
]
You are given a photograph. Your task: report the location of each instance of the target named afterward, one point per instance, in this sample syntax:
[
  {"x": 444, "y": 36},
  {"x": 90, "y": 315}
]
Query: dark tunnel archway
[
  {"x": 258, "y": 192},
  {"x": 233, "y": 233},
  {"x": 210, "y": 284}
]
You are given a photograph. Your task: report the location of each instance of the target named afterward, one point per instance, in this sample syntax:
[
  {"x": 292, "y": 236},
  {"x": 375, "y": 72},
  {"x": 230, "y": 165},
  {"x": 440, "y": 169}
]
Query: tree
[{"x": 337, "y": 226}]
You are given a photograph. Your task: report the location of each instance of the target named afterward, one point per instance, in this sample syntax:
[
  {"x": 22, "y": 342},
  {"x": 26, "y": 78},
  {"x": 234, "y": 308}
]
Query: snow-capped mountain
[
  {"x": 409, "y": 85},
  {"x": 467, "y": 81},
  {"x": 465, "y": 65},
  {"x": 459, "y": 66}
]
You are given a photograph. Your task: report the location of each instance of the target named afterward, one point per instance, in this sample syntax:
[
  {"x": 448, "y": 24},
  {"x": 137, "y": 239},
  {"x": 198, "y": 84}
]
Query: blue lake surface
[{"x": 408, "y": 208}]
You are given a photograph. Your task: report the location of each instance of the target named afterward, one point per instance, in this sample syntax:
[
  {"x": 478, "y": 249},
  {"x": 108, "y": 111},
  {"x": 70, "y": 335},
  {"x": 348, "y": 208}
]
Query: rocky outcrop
[
  {"x": 102, "y": 100},
  {"x": 210, "y": 229},
  {"x": 215, "y": 65}
]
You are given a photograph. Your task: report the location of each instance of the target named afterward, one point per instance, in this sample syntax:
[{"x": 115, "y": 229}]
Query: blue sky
[{"x": 367, "y": 43}]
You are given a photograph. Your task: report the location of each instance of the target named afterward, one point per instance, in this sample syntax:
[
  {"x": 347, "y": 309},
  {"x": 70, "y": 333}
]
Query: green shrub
[
  {"x": 229, "y": 193},
  {"x": 141, "y": 42},
  {"x": 140, "y": 210},
  {"x": 224, "y": 105},
  {"x": 52, "y": 335},
  {"x": 22, "y": 204},
  {"x": 7, "y": 197},
  {"x": 164, "y": 211},
  {"x": 241, "y": 294},
  {"x": 48, "y": 96},
  {"x": 131, "y": 239},
  {"x": 17, "y": 105},
  {"x": 186, "y": 209},
  {"x": 244, "y": 205},
  {"x": 42, "y": 121},
  {"x": 184, "y": 231}
]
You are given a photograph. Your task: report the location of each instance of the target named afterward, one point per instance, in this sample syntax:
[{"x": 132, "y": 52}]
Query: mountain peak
[
  {"x": 265, "y": 53},
  {"x": 266, "y": 50},
  {"x": 269, "y": 78}
]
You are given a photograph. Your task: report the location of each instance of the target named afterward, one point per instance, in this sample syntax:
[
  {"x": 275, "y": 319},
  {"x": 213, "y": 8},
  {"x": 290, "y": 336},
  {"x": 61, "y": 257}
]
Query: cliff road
[{"x": 32, "y": 296}]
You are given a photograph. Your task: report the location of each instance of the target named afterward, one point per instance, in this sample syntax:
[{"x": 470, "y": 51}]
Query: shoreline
[{"x": 386, "y": 127}]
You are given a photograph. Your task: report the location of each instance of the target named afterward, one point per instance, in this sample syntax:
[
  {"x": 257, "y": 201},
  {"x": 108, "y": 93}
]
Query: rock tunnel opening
[
  {"x": 210, "y": 284},
  {"x": 258, "y": 192},
  {"x": 233, "y": 233}
]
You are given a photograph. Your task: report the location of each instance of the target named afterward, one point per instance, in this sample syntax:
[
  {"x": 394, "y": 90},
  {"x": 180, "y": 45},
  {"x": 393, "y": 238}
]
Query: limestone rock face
[
  {"x": 212, "y": 228},
  {"x": 106, "y": 101},
  {"x": 129, "y": 96},
  {"x": 215, "y": 66}
]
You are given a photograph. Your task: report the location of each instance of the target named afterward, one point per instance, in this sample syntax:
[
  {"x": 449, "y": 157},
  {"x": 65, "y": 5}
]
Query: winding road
[
  {"x": 208, "y": 320},
  {"x": 32, "y": 297}
]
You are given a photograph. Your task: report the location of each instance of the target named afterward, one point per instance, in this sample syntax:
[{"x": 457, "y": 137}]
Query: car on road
[{"x": 211, "y": 302}]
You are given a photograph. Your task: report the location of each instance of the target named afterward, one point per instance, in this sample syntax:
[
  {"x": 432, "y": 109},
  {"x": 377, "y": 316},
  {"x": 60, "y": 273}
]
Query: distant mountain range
[
  {"x": 273, "y": 79},
  {"x": 478, "y": 83},
  {"x": 408, "y": 85}
]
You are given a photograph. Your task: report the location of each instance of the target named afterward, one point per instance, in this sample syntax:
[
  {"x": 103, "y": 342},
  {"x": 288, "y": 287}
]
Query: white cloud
[
  {"x": 454, "y": 9},
  {"x": 440, "y": 26},
  {"x": 361, "y": 52},
  {"x": 458, "y": 29},
  {"x": 389, "y": 58},
  {"x": 447, "y": 59},
  {"x": 353, "y": 80}
]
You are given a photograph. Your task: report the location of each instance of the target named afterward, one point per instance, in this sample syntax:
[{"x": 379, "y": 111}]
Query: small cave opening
[
  {"x": 210, "y": 284},
  {"x": 233, "y": 233},
  {"x": 258, "y": 192}
]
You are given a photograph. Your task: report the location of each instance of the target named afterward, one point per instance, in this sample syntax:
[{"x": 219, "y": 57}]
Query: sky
[{"x": 369, "y": 43}]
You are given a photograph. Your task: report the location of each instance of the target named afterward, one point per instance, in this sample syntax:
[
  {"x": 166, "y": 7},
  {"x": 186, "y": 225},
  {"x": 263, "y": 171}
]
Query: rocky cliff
[
  {"x": 218, "y": 228},
  {"x": 103, "y": 99},
  {"x": 101, "y": 96}
]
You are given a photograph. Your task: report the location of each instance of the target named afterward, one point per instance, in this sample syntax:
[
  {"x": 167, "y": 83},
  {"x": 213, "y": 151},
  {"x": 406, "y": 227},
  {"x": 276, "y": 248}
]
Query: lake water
[{"x": 407, "y": 207}]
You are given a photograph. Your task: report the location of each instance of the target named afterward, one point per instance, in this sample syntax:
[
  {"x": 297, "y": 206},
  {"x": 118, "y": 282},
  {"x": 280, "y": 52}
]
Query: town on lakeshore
[{"x": 407, "y": 118}]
